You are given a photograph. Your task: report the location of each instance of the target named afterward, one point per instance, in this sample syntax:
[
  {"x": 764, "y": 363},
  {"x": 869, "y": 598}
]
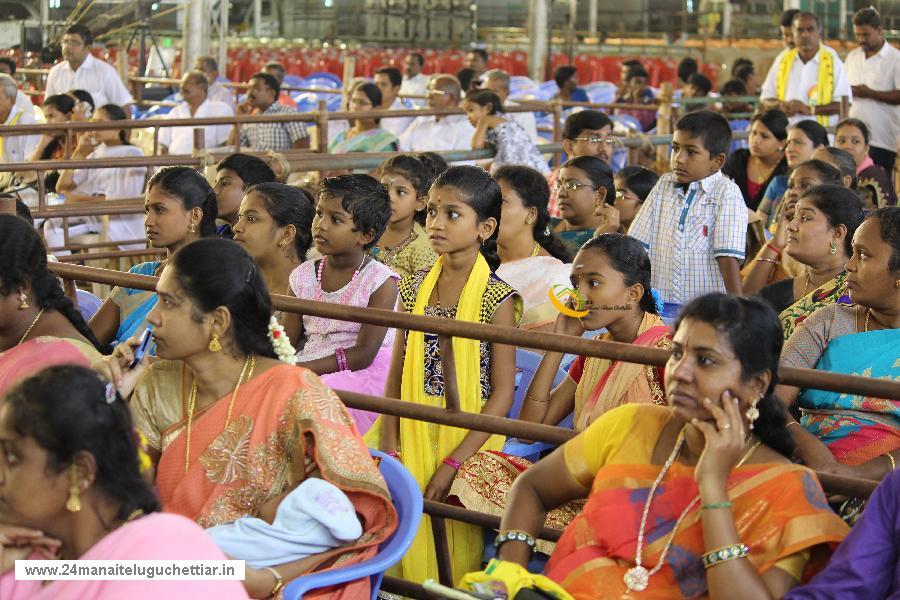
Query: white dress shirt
[
  {"x": 220, "y": 93},
  {"x": 426, "y": 134},
  {"x": 880, "y": 72},
  {"x": 396, "y": 125},
  {"x": 803, "y": 80},
  {"x": 24, "y": 103},
  {"x": 180, "y": 140},
  {"x": 18, "y": 148},
  {"x": 417, "y": 85},
  {"x": 94, "y": 76}
]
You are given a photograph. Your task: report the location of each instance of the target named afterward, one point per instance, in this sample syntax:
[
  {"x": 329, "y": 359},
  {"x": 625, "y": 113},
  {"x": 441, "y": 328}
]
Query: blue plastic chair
[
  {"x": 408, "y": 501},
  {"x": 88, "y": 304},
  {"x": 527, "y": 363},
  {"x": 320, "y": 79}
]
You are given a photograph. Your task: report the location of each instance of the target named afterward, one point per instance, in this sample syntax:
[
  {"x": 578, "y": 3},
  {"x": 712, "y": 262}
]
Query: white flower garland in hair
[{"x": 280, "y": 342}]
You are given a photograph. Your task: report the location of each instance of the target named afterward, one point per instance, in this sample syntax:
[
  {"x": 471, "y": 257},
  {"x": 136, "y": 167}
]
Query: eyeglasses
[
  {"x": 594, "y": 139},
  {"x": 571, "y": 185}
]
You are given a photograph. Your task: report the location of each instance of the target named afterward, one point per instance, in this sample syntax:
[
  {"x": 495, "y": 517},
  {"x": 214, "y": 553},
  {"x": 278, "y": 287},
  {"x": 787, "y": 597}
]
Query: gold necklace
[
  {"x": 805, "y": 287},
  {"x": 247, "y": 372},
  {"x": 536, "y": 251},
  {"x": 30, "y": 327},
  {"x": 637, "y": 578}
]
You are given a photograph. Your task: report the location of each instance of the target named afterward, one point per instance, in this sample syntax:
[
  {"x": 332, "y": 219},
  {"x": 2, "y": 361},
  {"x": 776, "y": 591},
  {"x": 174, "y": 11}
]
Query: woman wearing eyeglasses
[{"x": 584, "y": 185}]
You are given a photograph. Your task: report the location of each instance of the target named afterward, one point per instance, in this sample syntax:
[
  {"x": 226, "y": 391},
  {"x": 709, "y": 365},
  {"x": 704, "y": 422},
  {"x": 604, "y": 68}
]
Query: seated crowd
[{"x": 696, "y": 478}]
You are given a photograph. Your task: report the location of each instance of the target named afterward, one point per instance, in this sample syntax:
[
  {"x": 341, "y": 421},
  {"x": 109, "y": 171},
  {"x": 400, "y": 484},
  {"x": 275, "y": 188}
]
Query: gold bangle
[
  {"x": 769, "y": 260},
  {"x": 793, "y": 423},
  {"x": 279, "y": 582},
  {"x": 538, "y": 400},
  {"x": 724, "y": 554},
  {"x": 891, "y": 458}
]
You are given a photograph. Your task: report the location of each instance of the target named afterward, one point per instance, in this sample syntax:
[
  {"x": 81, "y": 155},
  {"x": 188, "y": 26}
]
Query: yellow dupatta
[
  {"x": 824, "y": 82},
  {"x": 423, "y": 446}
]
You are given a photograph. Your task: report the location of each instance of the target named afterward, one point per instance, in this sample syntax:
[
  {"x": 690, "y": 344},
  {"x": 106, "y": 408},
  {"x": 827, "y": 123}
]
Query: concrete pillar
[
  {"x": 538, "y": 22},
  {"x": 592, "y": 18},
  {"x": 842, "y": 11},
  {"x": 571, "y": 33},
  {"x": 257, "y": 18},
  {"x": 224, "y": 9},
  {"x": 195, "y": 33}
]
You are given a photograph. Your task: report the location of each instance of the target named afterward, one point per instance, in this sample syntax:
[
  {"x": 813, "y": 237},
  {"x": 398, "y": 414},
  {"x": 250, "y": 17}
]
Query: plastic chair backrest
[
  {"x": 527, "y": 363},
  {"x": 88, "y": 304},
  {"x": 407, "y": 498}
]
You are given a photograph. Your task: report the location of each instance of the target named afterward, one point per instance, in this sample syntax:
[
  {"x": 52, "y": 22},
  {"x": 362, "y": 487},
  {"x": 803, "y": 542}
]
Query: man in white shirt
[
  {"x": 23, "y": 101},
  {"x": 477, "y": 60},
  {"x": 798, "y": 99},
  {"x": 217, "y": 90},
  {"x": 388, "y": 80},
  {"x": 874, "y": 73},
  {"x": 180, "y": 140},
  {"x": 81, "y": 71},
  {"x": 16, "y": 148},
  {"x": 414, "y": 81},
  {"x": 498, "y": 82},
  {"x": 450, "y": 132}
]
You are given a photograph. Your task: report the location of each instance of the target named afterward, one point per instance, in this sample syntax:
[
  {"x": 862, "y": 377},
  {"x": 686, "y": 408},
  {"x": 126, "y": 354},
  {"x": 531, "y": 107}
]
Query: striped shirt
[{"x": 685, "y": 228}]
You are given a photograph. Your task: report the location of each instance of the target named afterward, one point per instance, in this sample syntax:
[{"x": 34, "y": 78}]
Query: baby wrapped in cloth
[{"x": 313, "y": 518}]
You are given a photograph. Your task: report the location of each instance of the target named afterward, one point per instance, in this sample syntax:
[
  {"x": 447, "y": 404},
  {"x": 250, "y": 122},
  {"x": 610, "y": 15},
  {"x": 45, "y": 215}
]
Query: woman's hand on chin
[
  {"x": 726, "y": 441},
  {"x": 17, "y": 543}
]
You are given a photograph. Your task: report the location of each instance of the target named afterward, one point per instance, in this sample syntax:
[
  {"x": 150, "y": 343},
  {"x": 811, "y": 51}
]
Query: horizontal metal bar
[{"x": 804, "y": 378}]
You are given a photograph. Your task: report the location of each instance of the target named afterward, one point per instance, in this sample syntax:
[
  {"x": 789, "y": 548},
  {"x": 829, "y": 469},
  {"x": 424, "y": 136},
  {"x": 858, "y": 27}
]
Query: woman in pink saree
[{"x": 71, "y": 489}]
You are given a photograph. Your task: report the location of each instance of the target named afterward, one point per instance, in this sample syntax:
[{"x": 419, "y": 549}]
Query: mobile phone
[{"x": 142, "y": 347}]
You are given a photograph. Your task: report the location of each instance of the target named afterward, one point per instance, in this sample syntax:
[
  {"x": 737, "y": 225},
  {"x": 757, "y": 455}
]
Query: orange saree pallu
[
  {"x": 780, "y": 512},
  {"x": 286, "y": 425}
]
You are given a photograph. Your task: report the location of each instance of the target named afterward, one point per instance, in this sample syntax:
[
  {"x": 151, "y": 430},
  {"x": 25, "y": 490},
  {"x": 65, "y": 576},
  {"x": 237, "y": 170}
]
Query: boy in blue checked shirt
[{"x": 694, "y": 222}]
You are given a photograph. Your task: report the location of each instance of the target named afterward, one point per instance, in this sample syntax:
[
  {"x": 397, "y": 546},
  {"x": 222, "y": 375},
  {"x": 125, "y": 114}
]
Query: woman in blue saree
[
  {"x": 179, "y": 207},
  {"x": 842, "y": 433}
]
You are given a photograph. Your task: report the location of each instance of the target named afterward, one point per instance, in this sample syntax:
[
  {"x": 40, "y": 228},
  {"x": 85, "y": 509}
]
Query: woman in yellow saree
[
  {"x": 233, "y": 429},
  {"x": 697, "y": 500}
]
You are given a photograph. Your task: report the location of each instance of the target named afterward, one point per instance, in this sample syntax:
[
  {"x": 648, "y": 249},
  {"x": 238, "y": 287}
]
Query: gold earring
[
  {"x": 753, "y": 412},
  {"x": 897, "y": 284},
  {"x": 23, "y": 301},
  {"x": 214, "y": 344},
  {"x": 833, "y": 247},
  {"x": 530, "y": 221},
  {"x": 73, "y": 504},
  {"x": 192, "y": 228}
]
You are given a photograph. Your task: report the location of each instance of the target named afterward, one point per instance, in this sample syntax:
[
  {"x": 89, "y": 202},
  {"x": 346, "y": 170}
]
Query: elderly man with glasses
[{"x": 439, "y": 132}]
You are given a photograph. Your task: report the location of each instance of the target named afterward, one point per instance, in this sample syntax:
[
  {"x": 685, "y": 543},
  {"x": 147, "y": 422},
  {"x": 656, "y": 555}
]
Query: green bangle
[{"x": 716, "y": 505}]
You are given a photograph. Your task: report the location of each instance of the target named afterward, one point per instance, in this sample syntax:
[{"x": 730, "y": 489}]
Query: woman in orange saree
[
  {"x": 227, "y": 449},
  {"x": 697, "y": 500}
]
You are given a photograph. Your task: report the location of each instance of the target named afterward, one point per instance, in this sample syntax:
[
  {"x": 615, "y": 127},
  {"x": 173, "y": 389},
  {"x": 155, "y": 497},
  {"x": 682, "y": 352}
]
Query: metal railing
[{"x": 451, "y": 415}]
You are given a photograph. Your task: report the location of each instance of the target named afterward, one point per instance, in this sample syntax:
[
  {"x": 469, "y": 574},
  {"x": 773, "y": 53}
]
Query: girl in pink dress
[{"x": 352, "y": 212}]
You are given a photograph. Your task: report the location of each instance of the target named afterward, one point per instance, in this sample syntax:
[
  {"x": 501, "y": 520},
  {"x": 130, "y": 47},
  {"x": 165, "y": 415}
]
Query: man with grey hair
[
  {"x": 498, "y": 81},
  {"x": 196, "y": 105},
  {"x": 15, "y": 148},
  {"x": 217, "y": 90},
  {"x": 441, "y": 132}
]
